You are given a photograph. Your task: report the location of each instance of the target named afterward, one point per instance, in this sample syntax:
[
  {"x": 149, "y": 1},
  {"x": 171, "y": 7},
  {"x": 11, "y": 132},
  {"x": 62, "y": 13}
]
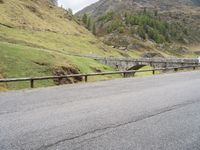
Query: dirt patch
[
  {"x": 1, "y": 1},
  {"x": 41, "y": 63},
  {"x": 95, "y": 69},
  {"x": 63, "y": 70}
]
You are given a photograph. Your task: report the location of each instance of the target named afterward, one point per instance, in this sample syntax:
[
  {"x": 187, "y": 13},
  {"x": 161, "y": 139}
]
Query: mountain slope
[
  {"x": 38, "y": 38},
  {"x": 99, "y": 8},
  {"x": 125, "y": 23},
  {"x": 37, "y": 23}
]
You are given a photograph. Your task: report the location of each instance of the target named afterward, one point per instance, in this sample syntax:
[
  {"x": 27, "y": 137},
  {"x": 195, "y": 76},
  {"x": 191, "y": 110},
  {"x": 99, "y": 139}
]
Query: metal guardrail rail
[{"x": 124, "y": 73}]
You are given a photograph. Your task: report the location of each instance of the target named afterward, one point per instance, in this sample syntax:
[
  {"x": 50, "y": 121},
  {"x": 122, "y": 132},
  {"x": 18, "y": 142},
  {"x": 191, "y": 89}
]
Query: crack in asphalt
[{"x": 114, "y": 126}]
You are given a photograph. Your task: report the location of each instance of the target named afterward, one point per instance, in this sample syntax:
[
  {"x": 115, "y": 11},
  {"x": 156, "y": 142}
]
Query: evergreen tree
[
  {"x": 89, "y": 23},
  {"x": 156, "y": 13},
  {"x": 70, "y": 11},
  {"x": 85, "y": 19},
  {"x": 145, "y": 10},
  {"x": 94, "y": 28}
]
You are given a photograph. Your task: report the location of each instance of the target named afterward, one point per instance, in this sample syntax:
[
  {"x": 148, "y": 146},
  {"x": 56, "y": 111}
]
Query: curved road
[{"x": 151, "y": 113}]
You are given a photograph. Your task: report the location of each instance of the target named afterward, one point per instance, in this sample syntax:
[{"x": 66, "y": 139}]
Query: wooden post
[
  {"x": 86, "y": 78},
  {"x": 59, "y": 81},
  {"x": 124, "y": 75},
  {"x": 32, "y": 83},
  {"x": 194, "y": 68},
  {"x": 134, "y": 74},
  {"x": 175, "y": 69},
  {"x": 154, "y": 72}
]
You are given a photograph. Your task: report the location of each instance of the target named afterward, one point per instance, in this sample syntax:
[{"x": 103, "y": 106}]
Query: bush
[
  {"x": 156, "y": 36},
  {"x": 146, "y": 25},
  {"x": 121, "y": 29},
  {"x": 116, "y": 25},
  {"x": 109, "y": 16}
]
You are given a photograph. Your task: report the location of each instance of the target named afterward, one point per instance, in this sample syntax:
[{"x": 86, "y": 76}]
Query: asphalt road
[{"x": 152, "y": 113}]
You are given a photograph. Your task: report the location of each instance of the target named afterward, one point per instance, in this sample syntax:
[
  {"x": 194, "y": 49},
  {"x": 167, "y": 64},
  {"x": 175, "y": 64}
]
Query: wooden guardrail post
[
  {"x": 154, "y": 72},
  {"x": 194, "y": 68},
  {"x": 124, "y": 75},
  {"x": 86, "y": 78},
  {"x": 175, "y": 69},
  {"x": 32, "y": 83}
]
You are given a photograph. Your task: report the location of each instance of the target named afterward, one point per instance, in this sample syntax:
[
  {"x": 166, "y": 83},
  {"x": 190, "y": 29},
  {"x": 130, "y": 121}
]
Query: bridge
[{"x": 135, "y": 64}]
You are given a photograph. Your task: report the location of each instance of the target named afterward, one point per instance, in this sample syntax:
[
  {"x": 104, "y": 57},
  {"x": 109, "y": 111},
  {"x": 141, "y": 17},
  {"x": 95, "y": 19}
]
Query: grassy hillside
[
  {"x": 37, "y": 38},
  {"x": 39, "y": 24},
  {"x": 23, "y": 61}
]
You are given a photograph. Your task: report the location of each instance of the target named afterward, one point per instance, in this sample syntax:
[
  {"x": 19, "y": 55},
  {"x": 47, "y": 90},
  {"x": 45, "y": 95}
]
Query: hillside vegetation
[
  {"x": 160, "y": 26},
  {"x": 146, "y": 25},
  {"x": 37, "y": 38}
]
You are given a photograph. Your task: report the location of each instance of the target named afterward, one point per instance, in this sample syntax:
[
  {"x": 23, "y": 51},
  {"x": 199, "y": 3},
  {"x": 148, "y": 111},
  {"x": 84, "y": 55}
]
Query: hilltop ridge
[{"x": 102, "y": 6}]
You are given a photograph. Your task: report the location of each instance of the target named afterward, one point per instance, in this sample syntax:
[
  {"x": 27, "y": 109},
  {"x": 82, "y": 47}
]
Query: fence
[{"x": 124, "y": 73}]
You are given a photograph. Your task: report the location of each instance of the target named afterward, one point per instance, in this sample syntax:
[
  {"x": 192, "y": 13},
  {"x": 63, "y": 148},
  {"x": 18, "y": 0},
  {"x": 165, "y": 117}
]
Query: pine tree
[
  {"x": 156, "y": 13},
  {"x": 70, "y": 11},
  {"x": 85, "y": 19},
  {"x": 89, "y": 24},
  {"x": 94, "y": 28}
]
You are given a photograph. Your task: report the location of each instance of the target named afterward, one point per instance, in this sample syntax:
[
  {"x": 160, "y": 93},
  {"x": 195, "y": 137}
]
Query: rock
[
  {"x": 134, "y": 46},
  {"x": 152, "y": 55},
  {"x": 122, "y": 48}
]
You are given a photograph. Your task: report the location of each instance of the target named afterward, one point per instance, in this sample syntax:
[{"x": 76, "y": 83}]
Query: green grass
[
  {"x": 72, "y": 44},
  {"x": 34, "y": 43},
  {"x": 22, "y": 61}
]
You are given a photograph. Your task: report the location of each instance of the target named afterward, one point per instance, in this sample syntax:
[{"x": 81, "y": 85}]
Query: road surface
[{"x": 151, "y": 113}]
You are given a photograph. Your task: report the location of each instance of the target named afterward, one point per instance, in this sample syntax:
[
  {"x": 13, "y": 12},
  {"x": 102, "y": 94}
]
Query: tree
[
  {"x": 94, "y": 28},
  {"x": 156, "y": 13},
  {"x": 70, "y": 11},
  {"x": 145, "y": 10},
  {"x": 89, "y": 23},
  {"x": 85, "y": 19}
]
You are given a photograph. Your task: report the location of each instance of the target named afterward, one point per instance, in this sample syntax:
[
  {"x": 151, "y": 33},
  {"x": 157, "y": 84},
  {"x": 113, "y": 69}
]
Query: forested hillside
[{"x": 167, "y": 26}]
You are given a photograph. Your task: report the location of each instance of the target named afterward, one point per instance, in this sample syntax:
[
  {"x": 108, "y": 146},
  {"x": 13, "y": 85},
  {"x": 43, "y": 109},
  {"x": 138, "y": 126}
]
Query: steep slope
[
  {"x": 99, "y": 8},
  {"x": 38, "y": 38},
  {"x": 40, "y": 24},
  {"x": 126, "y": 24}
]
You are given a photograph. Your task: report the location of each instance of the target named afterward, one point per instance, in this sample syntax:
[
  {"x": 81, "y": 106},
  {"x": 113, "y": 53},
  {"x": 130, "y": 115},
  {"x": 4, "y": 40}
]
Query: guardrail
[
  {"x": 124, "y": 73},
  {"x": 188, "y": 61}
]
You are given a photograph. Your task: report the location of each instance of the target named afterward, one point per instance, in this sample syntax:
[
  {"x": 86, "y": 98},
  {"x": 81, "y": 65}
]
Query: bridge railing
[
  {"x": 124, "y": 73},
  {"x": 151, "y": 60}
]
